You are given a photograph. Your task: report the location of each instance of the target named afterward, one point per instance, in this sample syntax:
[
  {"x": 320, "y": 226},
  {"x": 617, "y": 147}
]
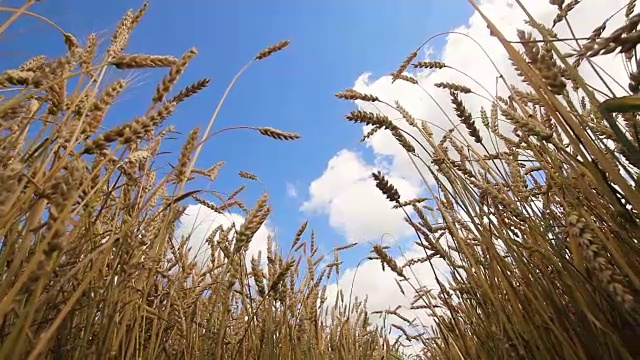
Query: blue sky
[{"x": 333, "y": 42}]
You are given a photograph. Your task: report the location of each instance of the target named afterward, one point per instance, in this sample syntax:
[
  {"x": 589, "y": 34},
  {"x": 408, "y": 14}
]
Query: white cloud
[
  {"x": 369, "y": 280},
  {"x": 199, "y": 221},
  {"x": 460, "y": 52},
  {"x": 347, "y": 194},
  {"x": 351, "y": 202},
  {"x": 292, "y": 191},
  {"x": 382, "y": 293}
]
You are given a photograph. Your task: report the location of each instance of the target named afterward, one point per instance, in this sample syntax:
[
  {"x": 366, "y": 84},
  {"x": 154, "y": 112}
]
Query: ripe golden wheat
[
  {"x": 91, "y": 263},
  {"x": 541, "y": 233}
]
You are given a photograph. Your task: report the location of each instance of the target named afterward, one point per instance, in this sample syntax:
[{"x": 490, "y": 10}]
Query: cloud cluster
[
  {"x": 344, "y": 192},
  {"x": 379, "y": 286},
  {"x": 199, "y": 221}
]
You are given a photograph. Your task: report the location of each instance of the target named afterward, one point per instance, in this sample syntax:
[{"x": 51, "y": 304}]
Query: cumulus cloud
[
  {"x": 379, "y": 286},
  {"x": 477, "y": 60},
  {"x": 352, "y": 203},
  {"x": 199, "y": 221},
  {"x": 347, "y": 194}
]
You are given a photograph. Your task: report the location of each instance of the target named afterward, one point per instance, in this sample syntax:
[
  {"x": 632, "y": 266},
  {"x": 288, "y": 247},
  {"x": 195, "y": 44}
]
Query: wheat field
[{"x": 539, "y": 224}]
